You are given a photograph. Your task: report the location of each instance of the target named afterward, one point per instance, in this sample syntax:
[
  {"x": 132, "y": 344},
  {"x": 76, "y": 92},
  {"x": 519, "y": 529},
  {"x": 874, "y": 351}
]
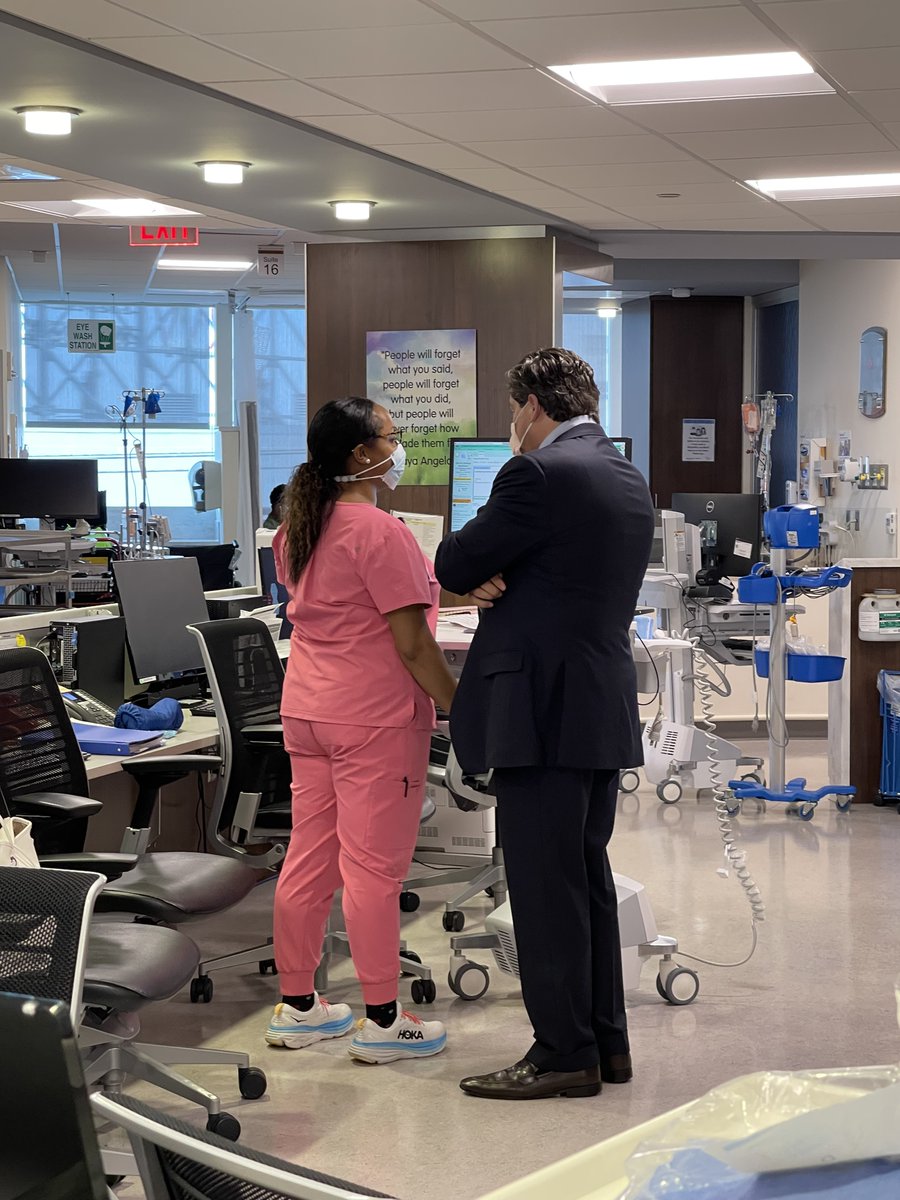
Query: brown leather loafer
[
  {"x": 523, "y": 1081},
  {"x": 616, "y": 1069}
]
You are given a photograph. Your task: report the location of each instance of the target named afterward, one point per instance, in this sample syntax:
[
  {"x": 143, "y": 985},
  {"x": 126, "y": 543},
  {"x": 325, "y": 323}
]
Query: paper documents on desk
[
  {"x": 428, "y": 530},
  {"x": 462, "y": 618},
  {"x": 106, "y": 739}
]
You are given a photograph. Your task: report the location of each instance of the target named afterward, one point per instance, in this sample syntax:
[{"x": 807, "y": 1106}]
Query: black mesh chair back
[
  {"x": 246, "y": 677},
  {"x": 38, "y": 748},
  {"x": 178, "y": 1161},
  {"x": 44, "y": 917}
]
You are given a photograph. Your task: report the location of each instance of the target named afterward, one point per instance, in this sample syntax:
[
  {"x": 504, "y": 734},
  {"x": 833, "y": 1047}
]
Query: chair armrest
[
  {"x": 263, "y": 734},
  {"x": 54, "y": 804},
  {"x": 174, "y": 765},
  {"x": 110, "y": 864}
]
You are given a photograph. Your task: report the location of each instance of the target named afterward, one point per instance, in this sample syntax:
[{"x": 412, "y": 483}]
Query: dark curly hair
[{"x": 562, "y": 382}]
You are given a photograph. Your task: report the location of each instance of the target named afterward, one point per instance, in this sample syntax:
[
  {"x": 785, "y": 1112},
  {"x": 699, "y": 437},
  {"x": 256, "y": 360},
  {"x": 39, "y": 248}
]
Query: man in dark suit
[{"x": 548, "y": 699}]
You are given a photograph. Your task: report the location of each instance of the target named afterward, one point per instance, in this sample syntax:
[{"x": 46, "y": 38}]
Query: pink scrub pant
[{"x": 357, "y": 799}]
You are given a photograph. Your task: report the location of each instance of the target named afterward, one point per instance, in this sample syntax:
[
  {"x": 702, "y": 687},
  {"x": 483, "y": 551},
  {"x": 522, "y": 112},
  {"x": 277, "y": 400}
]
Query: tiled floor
[{"x": 818, "y": 992}]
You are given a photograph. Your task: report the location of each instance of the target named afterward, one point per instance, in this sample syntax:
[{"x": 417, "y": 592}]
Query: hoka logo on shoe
[{"x": 412, "y": 1035}]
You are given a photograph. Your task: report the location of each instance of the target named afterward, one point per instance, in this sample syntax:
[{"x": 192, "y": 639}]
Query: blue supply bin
[
  {"x": 804, "y": 668},
  {"x": 889, "y": 691}
]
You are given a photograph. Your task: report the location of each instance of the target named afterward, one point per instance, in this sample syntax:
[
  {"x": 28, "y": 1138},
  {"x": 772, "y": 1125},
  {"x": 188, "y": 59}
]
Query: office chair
[
  {"x": 252, "y": 806},
  {"x": 50, "y": 948},
  {"x": 178, "y": 1162},
  {"x": 39, "y": 753}
]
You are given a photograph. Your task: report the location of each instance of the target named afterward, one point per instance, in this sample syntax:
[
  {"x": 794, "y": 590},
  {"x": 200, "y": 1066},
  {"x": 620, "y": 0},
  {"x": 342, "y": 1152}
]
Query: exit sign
[{"x": 163, "y": 235}]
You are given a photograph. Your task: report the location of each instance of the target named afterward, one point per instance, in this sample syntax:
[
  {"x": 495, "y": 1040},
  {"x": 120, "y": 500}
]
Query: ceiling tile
[
  {"x": 549, "y": 152},
  {"x": 666, "y": 175},
  {"x": 883, "y": 106},
  {"x": 861, "y": 223},
  {"x": 838, "y": 24},
  {"x": 782, "y": 222},
  {"x": 438, "y": 156},
  {"x": 382, "y": 50},
  {"x": 485, "y": 10},
  {"x": 893, "y": 128},
  {"x": 818, "y": 139},
  {"x": 87, "y": 18},
  {"x": 635, "y": 35},
  {"x": 660, "y": 211},
  {"x": 863, "y": 70},
  {"x": 371, "y": 130},
  {"x": 460, "y": 91},
  {"x": 214, "y": 16},
  {"x": 495, "y": 179},
  {"x": 187, "y": 57},
  {"x": 773, "y": 113},
  {"x": 811, "y": 164},
  {"x": 875, "y": 208},
  {"x": 548, "y": 199},
  {"x": 290, "y": 97},
  {"x": 510, "y": 124},
  {"x": 627, "y": 198}
]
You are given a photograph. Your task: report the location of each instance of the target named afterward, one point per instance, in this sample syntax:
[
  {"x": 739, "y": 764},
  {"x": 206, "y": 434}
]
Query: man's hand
[{"x": 485, "y": 595}]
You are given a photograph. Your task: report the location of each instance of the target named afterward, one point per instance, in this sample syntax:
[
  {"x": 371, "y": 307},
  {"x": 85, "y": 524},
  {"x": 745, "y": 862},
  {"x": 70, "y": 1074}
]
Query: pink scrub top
[{"x": 343, "y": 668}]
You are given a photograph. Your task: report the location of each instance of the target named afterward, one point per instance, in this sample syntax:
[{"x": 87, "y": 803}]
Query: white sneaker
[
  {"x": 294, "y": 1029},
  {"x": 408, "y": 1037}
]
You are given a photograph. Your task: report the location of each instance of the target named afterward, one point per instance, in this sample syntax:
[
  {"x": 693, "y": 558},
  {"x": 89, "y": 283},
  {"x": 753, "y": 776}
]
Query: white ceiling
[{"x": 458, "y": 86}]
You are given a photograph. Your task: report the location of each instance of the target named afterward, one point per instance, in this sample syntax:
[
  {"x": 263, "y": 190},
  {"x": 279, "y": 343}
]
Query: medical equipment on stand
[
  {"x": 148, "y": 400},
  {"x": 789, "y": 527},
  {"x": 639, "y": 936},
  {"x": 759, "y": 414}
]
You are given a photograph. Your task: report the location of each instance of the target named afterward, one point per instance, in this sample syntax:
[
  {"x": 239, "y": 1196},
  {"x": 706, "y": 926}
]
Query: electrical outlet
[
  {"x": 890, "y": 523},
  {"x": 874, "y": 478}
]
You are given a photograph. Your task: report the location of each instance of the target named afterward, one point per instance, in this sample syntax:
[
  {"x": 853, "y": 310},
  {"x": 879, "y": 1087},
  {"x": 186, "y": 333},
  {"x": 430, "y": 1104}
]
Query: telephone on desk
[{"x": 83, "y": 707}]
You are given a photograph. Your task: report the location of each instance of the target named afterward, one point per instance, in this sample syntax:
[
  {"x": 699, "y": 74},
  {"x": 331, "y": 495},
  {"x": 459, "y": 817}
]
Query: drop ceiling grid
[{"x": 471, "y": 96}]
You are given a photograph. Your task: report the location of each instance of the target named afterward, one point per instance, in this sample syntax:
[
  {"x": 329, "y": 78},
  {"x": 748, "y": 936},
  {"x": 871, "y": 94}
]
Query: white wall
[{"x": 838, "y": 300}]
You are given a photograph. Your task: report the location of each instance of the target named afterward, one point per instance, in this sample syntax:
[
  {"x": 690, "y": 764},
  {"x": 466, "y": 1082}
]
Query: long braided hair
[{"x": 334, "y": 432}]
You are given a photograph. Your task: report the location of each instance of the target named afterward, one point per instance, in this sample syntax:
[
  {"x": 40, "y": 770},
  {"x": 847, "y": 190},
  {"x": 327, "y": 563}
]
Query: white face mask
[
  {"x": 390, "y": 478},
  {"x": 515, "y": 442}
]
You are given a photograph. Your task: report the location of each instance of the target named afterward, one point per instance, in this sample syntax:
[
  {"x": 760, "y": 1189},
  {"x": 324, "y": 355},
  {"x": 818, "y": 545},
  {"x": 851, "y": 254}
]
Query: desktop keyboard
[{"x": 204, "y": 710}]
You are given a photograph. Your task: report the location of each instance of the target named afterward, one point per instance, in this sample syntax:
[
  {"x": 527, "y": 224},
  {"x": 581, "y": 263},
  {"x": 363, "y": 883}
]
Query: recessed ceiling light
[
  {"x": 717, "y": 77},
  {"x": 134, "y": 206},
  {"x": 13, "y": 171},
  {"x": 829, "y": 187},
  {"x": 48, "y": 119},
  {"x": 203, "y": 264},
  {"x": 352, "y": 210},
  {"x": 222, "y": 170}
]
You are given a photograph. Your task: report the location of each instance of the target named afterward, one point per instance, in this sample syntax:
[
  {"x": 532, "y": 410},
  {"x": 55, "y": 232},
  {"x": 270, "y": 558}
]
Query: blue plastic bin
[
  {"x": 757, "y": 589},
  {"x": 804, "y": 668}
]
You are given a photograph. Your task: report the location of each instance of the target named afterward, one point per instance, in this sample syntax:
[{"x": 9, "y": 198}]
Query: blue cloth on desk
[
  {"x": 165, "y": 714},
  {"x": 694, "y": 1175}
]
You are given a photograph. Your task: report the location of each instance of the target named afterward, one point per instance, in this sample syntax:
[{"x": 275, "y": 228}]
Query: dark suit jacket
[{"x": 550, "y": 678}]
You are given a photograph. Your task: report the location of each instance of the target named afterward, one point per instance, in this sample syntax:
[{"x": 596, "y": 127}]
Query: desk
[{"x": 175, "y": 823}]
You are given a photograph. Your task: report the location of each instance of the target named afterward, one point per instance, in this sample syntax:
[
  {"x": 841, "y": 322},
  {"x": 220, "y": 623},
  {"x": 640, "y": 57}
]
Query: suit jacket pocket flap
[{"x": 501, "y": 661}]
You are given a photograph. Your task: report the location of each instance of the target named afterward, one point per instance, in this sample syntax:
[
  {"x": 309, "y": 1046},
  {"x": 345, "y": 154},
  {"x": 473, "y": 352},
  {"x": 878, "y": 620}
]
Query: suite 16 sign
[{"x": 425, "y": 378}]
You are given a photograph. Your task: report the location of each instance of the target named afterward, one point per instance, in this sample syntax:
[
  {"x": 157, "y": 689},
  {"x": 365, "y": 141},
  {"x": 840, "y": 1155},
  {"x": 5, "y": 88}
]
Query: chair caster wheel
[
  {"x": 268, "y": 966},
  {"x": 424, "y": 991},
  {"x": 409, "y": 902},
  {"x": 225, "y": 1125},
  {"x": 454, "y": 922},
  {"x": 681, "y": 986},
  {"x": 410, "y": 956},
  {"x": 201, "y": 990},
  {"x": 470, "y": 981},
  {"x": 252, "y": 1082}
]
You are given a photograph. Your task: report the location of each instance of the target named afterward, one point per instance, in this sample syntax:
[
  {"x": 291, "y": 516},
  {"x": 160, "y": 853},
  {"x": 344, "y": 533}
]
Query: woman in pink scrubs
[{"x": 363, "y": 673}]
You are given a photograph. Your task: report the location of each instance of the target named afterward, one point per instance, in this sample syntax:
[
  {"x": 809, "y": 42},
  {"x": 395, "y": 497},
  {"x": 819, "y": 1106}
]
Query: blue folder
[{"x": 106, "y": 739}]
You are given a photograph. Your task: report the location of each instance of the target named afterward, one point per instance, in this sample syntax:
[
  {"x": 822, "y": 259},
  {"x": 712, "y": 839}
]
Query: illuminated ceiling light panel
[
  {"x": 15, "y": 172},
  {"x": 203, "y": 264},
  {"x": 223, "y": 171},
  {"x": 352, "y": 210},
  {"x": 717, "y": 77},
  {"x": 96, "y": 209},
  {"x": 829, "y": 187}
]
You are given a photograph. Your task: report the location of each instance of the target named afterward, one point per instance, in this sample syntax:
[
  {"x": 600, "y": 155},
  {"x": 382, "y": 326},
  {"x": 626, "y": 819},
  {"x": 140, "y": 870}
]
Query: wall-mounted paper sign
[{"x": 698, "y": 441}]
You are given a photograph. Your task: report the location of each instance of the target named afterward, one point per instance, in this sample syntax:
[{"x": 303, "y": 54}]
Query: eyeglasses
[{"x": 395, "y": 437}]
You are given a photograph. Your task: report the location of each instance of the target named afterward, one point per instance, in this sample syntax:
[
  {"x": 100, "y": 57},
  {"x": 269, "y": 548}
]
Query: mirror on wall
[{"x": 872, "y": 363}]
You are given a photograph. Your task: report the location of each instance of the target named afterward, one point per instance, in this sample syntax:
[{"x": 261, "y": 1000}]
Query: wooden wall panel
[
  {"x": 696, "y": 370},
  {"x": 503, "y": 288}
]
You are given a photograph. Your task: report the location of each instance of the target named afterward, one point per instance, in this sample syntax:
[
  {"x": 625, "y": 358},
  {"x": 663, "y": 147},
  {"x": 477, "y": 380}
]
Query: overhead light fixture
[
  {"x": 134, "y": 206},
  {"x": 48, "y": 119},
  {"x": 716, "y": 77},
  {"x": 829, "y": 187},
  {"x": 608, "y": 312},
  {"x": 203, "y": 264},
  {"x": 222, "y": 170},
  {"x": 17, "y": 173},
  {"x": 352, "y": 210}
]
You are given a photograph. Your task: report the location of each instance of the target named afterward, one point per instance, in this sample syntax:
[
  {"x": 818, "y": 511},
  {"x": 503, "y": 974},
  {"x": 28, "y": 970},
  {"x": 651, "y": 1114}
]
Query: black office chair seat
[
  {"x": 173, "y": 888},
  {"x": 130, "y": 966}
]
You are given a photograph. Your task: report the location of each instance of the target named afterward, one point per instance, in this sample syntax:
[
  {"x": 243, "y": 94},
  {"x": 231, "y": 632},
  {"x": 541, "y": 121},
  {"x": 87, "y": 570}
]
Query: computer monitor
[
  {"x": 623, "y": 445},
  {"x": 474, "y": 463},
  {"x": 159, "y": 598},
  {"x": 269, "y": 586},
  {"x": 44, "y": 1090},
  {"x": 730, "y": 525},
  {"x": 97, "y": 518},
  {"x": 62, "y": 488}
]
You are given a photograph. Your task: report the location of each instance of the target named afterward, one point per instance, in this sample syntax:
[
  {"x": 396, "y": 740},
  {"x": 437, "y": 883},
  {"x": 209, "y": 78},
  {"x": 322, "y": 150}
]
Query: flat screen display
[{"x": 474, "y": 463}]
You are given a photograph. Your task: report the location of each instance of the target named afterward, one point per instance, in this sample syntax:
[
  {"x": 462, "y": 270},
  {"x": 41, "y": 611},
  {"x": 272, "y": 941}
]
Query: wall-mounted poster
[{"x": 426, "y": 379}]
